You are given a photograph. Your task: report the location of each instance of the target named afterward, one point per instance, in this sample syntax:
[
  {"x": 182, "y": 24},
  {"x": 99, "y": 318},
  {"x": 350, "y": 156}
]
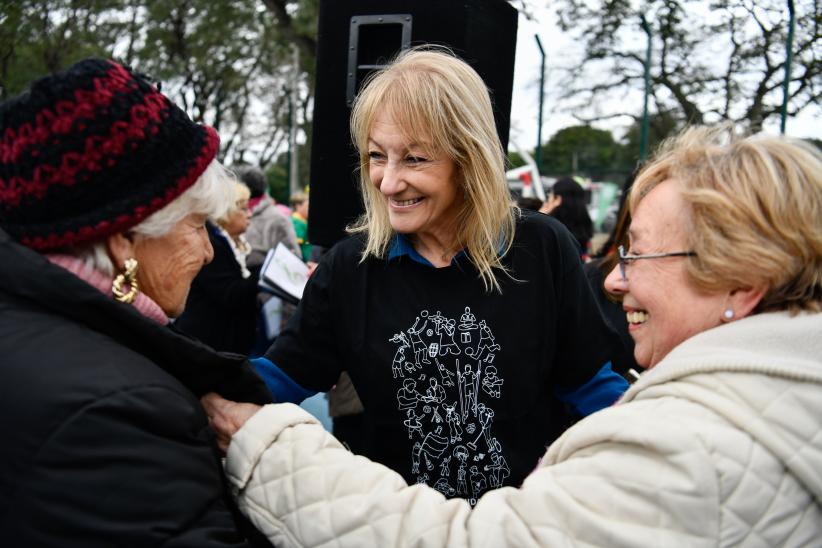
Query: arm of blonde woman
[{"x": 301, "y": 487}]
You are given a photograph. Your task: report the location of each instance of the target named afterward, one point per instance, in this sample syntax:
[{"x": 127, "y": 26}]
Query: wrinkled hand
[{"x": 226, "y": 417}]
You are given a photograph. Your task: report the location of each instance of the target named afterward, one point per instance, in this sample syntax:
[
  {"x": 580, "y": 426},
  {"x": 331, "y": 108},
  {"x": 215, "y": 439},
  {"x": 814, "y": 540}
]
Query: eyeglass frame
[{"x": 625, "y": 258}]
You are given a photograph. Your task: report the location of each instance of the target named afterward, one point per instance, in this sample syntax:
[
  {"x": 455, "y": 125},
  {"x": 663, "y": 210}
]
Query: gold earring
[{"x": 129, "y": 277}]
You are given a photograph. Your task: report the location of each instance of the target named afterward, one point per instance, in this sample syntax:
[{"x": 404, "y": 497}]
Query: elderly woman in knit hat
[{"x": 105, "y": 188}]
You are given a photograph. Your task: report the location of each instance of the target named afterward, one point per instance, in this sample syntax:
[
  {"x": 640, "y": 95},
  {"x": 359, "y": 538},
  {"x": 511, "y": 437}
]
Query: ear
[
  {"x": 120, "y": 247},
  {"x": 744, "y": 300}
]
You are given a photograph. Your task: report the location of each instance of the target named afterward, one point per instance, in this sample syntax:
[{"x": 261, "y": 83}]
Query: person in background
[
  {"x": 105, "y": 188},
  {"x": 221, "y": 310},
  {"x": 531, "y": 204},
  {"x": 267, "y": 226},
  {"x": 717, "y": 443},
  {"x": 611, "y": 305},
  {"x": 468, "y": 329},
  {"x": 234, "y": 224},
  {"x": 299, "y": 203},
  {"x": 568, "y": 205}
]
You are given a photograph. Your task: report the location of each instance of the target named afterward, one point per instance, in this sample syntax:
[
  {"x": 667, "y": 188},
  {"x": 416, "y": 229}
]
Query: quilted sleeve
[{"x": 300, "y": 487}]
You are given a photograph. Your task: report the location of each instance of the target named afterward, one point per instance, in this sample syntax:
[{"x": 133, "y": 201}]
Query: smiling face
[
  {"x": 168, "y": 264},
  {"x": 420, "y": 189},
  {"x": 663, "y": 306}
]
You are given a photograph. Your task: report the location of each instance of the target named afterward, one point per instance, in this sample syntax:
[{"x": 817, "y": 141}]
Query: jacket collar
[
  {"x": 28, "y": 275},
  {"x": 774, "y": 343}
]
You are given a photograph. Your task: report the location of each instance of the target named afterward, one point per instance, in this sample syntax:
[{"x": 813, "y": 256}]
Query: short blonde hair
[
  {"x": 441, "y": 102},
  {"x": 756, "y": 212},
  {"x": 297, "y": 198},
  {"x": 239, "y": 192}
]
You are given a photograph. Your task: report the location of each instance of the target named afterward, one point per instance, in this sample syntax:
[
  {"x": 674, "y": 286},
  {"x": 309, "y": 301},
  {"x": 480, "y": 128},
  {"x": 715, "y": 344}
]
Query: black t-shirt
[{"x": 458, "y": 383}]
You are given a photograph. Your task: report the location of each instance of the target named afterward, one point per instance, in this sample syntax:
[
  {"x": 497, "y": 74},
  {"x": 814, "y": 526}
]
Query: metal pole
[
  {"x": 293, "y": 174},
  {"x": 788, "y": 61},
  {"x": 288, "y": 156},
  {"x": 541, "y": 100},
  {"x": 643, "y": 130}
]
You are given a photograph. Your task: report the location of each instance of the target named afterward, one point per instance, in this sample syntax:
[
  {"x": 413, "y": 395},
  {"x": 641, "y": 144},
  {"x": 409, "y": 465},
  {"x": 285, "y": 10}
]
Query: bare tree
[{"x": 712, "y": 59}]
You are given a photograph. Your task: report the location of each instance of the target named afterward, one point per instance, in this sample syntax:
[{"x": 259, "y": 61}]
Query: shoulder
[
  {"x": 72, "y": 355},
  {"x": 347, "y": 251},
  {"x": 543, "y": 239},
  {"x": 535, "y": 226}
]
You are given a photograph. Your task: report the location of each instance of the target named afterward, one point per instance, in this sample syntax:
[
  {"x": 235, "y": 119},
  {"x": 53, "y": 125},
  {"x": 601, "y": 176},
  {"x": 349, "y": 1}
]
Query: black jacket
[
  {"x": 221, "y": 309},
  {"x": 104, "y": 442}
]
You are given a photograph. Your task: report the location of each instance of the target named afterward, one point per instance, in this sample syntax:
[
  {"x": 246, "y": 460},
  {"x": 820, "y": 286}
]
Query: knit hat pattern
[{"x": 93, "y": 151}]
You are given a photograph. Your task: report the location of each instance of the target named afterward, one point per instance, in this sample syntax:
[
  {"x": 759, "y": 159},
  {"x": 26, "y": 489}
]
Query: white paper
[{"x": 285, "y": 270}]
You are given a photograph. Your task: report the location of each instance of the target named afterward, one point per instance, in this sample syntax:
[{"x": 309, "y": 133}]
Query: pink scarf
[{"x": 100, "y": 281}]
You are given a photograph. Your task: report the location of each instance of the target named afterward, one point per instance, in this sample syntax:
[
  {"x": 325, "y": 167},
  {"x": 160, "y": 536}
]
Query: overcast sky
[{"x": 558, "y": 46}]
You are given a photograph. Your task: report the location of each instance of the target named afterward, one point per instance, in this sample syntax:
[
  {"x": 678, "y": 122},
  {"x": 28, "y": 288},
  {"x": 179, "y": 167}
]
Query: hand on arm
[{"x": 226, "y": 417}]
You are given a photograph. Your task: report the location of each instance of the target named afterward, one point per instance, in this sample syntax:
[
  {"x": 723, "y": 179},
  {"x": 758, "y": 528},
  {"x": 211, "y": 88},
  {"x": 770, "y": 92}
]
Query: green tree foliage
[
  {"x": 42, "y": 36},
  {"x": 660, "y": 126},
  {"x": 277, "y": 173},
  {"x": 514, "y": 160},
  {"x": 229, "y": 64},
  {"x": 581, "y": 150},
  {"x": 712, "y": 59}
]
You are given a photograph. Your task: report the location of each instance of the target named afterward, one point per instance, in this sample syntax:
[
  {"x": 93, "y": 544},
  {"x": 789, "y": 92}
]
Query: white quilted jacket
[{"x": 719, "y": 445}]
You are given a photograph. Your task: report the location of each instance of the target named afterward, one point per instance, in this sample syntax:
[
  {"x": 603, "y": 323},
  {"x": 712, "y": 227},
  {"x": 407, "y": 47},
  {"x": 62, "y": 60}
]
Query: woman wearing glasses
[{"x": 718, "y": 444}]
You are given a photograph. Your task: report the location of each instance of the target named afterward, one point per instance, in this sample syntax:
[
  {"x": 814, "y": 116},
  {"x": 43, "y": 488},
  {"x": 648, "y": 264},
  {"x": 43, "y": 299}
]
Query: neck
[
  {"x": 143, "y": 303},
  {"x": 437, "y": 250}
]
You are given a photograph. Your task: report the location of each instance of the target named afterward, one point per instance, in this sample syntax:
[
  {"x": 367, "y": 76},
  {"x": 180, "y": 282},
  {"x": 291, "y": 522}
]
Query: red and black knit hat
[{"x": 93, "y": 151}]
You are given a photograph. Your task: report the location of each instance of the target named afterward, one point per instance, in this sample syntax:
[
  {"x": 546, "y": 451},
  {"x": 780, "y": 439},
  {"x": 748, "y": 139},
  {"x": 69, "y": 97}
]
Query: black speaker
[{"x": 358, "y": 37}]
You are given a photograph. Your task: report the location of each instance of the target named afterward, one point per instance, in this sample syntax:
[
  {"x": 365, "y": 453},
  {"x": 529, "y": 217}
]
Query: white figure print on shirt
[
  {"x": 446, "y": 391},
  {"x": 491, "y": 383},
  {"x": 399, "y": 356},
  {"x": 448, "y": 345},
  {"x": 499, "y": 470},
  {"x": 412, "y": 423},
  {"x": 454, "y": 425},
  {"x": 407, "y": 396},
  {"x": 420, "y": 348}
]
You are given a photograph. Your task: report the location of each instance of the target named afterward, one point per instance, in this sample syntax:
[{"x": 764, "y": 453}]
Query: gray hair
[{"x": 212, "y": 195}]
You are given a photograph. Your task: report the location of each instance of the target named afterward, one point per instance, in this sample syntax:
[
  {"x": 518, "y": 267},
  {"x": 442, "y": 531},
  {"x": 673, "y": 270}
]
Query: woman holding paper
[
  {"x": 222, "y": 307},
  {"x": 467, "y": 327}
]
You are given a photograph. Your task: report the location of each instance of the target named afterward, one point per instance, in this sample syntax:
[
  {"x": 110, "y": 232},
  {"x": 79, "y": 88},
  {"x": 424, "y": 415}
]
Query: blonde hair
[
  {"x": 442, "y": 103},
  {"x": 239, "y": 192},
  {"x": 756, "y": 212},
  {"x": 297, "y": 198}
]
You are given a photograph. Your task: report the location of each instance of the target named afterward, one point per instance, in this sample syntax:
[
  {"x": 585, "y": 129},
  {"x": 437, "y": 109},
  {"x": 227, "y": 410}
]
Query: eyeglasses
[{"x": 626, "y": 259}]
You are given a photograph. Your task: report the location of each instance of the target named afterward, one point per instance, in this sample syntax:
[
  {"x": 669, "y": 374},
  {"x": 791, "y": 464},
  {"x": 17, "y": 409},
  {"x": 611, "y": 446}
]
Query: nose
[
  {"x": 390, "y": 179},
  {"x": 615, "y": 283}
]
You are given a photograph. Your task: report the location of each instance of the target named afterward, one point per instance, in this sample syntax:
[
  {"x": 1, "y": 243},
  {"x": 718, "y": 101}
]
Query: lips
[{"x": 406, "y": 203}]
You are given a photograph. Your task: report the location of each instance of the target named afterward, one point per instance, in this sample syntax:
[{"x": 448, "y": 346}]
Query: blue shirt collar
[{"x": 401, "y": 246}]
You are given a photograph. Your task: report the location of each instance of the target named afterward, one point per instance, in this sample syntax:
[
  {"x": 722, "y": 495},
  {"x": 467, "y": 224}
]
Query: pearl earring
[{"x": 729, "y": 314}]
